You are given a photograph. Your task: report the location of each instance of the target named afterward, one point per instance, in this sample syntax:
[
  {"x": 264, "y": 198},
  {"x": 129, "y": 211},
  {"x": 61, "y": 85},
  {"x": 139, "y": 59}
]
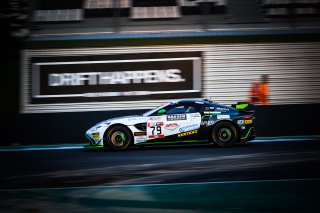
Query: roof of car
[{"x": 194, "y": 101}]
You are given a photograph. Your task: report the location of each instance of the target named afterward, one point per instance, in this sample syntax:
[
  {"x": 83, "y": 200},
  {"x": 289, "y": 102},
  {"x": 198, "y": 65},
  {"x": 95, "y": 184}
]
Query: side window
[
  {"x": 177, "y": 110},
  {"x": 183, "y": 109},
  {"x": 192, "y": 109}
]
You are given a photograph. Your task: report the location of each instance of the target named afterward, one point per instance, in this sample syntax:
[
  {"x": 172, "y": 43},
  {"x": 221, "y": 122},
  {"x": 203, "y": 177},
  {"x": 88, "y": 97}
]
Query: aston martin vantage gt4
[{"x": 178, "y": 122}]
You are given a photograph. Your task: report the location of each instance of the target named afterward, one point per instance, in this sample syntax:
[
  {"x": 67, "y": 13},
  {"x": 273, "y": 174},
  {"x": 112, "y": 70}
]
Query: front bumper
[{"x": 92, "y": 142}]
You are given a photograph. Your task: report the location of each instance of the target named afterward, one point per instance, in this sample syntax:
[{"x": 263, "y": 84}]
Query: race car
[{"x": 177, "y": 122}]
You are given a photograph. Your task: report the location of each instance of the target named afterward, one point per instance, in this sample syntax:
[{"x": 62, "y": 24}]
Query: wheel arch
[
  {"x": 117, "y": 124},
  {"x": 226, "y": 121}
]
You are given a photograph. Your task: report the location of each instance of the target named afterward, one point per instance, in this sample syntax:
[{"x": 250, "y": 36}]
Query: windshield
[{"x": 150, "y": 112}]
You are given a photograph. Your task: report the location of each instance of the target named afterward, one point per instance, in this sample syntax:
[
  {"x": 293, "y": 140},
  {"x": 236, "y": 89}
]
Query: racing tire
[
  {"x": 118, "y": 138},
  {"x": 224, "y": 134}
]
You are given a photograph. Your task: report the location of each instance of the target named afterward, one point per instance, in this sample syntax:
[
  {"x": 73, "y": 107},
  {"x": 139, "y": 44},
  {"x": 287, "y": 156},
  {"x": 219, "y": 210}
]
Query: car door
[{"x": 176, "y": 123}]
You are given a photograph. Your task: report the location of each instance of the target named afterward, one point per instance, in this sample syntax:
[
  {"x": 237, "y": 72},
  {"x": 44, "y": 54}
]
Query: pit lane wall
[{"x": 59, "y": 128}]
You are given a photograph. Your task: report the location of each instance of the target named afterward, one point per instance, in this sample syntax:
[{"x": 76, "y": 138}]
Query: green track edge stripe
[{"x": 93, "y": 147}]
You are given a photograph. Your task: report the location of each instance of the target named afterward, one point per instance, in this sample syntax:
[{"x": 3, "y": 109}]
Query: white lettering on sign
[{"x": 123, "y": 77}]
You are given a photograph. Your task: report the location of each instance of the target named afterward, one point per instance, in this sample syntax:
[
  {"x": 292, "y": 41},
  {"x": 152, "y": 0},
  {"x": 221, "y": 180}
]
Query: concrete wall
[{"x": 57, "y": 128}]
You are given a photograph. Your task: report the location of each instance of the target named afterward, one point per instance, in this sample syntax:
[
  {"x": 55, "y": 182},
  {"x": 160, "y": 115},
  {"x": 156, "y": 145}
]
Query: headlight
[
  {"x": 96, "y": 135},
  {"x": 96, "y": 128}
]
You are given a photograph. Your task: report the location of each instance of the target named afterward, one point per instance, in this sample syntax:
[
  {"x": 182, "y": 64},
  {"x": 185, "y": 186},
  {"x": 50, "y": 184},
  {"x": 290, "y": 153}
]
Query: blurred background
[
  {"x": 55, "y": 53},
  {"x": 66, "y": 65}
]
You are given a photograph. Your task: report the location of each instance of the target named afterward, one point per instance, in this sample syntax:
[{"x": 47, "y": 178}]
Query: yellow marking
[
  {"x": 95, "y": 135},
  {"x": 188, "y": 133},
  {"x": 247, "y": 121}
]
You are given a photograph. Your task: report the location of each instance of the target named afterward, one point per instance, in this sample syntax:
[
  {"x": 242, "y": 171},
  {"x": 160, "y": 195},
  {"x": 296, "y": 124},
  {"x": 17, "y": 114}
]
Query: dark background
[{"x": 16, "y": 128}]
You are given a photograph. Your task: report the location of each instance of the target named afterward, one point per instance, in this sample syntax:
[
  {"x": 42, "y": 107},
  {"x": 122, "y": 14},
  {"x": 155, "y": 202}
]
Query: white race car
[{"x": 185, "y": 121}]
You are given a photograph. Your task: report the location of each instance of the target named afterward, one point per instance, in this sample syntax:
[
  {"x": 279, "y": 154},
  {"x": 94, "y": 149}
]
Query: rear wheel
[
  {"x": 118, "y": 138},
  {"x": 224, "y": 134}
]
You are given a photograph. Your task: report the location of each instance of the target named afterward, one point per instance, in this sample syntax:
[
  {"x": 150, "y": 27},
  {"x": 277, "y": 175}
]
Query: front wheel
[
  {"x": 224, "y": 134},
  {"x": 118, "y": 138}
]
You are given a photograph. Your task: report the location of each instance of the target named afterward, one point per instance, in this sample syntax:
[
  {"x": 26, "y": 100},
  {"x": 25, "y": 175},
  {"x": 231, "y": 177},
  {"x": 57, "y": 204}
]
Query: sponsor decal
[
  {"x": 157, "y": 118},
  {"x": 176, "y": 117},
  {"x": 172, "y": 126},
  {"x": 156, "y": 136},
  {"x": 209, "y": 108},
  {"x": 207, "y": 116},
  {"x": 208, "y": 123},
  {"x": 139, "y": 133},
  {"x": 222, "y": 109},
  {"x": 155, "y": 124},
  {"x": 199, "y": 102},
  {"x": 189, "y": 127},
  {"x": 95, "y": 135},
  {"x": 188, "y": 133},
  {"x": 247, "y": 121},
  {"x": 240, "y": 122},
  {"x": 211, "y": 112},
  {"x": 243, "y": 127},
  {"x": 195, "y": 115},
  {"x": 223, "y": 116},
  {"x": 140, "y": 139}
]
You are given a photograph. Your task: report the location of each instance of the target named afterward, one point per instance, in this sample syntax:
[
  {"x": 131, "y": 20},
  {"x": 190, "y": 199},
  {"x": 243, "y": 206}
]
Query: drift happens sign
[{"x": 109, "y": 78}]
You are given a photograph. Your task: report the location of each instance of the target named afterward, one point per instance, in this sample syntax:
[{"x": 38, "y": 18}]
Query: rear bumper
[{"x": 248, "y": 135}]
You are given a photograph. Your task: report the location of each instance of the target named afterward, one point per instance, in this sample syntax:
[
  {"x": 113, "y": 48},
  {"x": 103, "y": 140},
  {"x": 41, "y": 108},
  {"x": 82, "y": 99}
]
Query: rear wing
[{"x": 245, "y": 107}]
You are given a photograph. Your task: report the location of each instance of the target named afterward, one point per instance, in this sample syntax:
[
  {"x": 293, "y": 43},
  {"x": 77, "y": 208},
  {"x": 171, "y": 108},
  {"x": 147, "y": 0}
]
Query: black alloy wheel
[{"x": 224, "y": 134}]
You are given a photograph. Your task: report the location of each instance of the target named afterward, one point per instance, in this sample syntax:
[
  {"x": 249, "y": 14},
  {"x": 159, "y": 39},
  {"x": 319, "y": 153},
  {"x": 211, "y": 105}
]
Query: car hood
[
  {"x": 131, "y": 118},
  {"x": 126, "y": 120}
]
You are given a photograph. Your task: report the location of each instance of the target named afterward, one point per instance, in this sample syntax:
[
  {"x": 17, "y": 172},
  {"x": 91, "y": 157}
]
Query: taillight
[{"x": 248, "y": 117}]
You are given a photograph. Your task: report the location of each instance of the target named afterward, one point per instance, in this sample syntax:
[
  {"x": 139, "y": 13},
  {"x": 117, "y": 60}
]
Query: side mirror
[{"x": 161, "y": 111}]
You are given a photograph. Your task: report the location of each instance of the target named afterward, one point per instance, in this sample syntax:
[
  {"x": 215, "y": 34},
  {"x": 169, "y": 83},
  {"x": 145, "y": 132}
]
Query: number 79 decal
[
  {"x": 157, "y": 128},
  {"x": 156, "y": 132}
]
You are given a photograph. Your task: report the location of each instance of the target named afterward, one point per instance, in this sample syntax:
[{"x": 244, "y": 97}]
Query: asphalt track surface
[{"x": 61, "y": 168}]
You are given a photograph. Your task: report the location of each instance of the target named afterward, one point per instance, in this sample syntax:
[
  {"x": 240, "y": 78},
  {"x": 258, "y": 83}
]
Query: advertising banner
[{"x": 69, "y": 79}]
